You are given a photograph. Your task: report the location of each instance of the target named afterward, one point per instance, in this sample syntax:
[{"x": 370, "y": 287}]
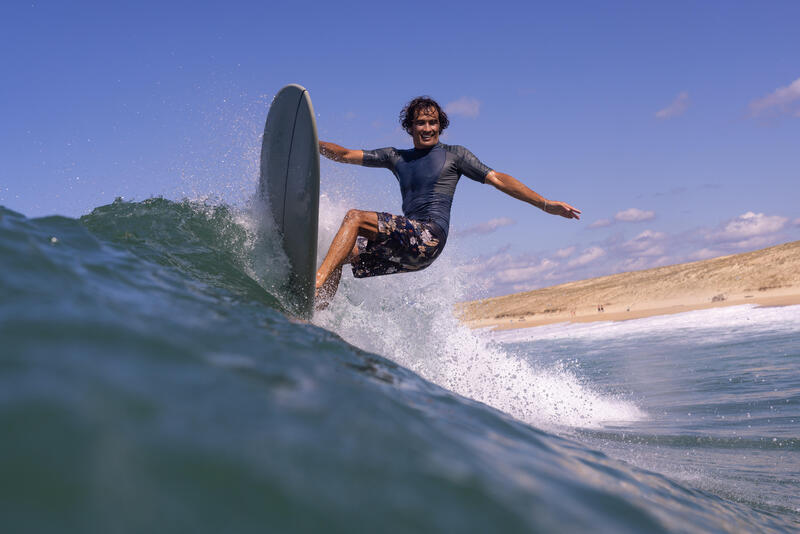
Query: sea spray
[
  {"x": 270, "y": 265},
  {"x": 409, "y": 319}
]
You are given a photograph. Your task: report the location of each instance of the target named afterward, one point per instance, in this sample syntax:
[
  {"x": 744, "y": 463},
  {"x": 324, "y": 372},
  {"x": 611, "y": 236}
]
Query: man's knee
[
  {"x": 354, "y": 217},
  {"x": 365, "y": 221}
]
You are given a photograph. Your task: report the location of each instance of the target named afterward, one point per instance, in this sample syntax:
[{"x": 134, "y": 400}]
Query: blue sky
[{"x": 674, "y": 127}]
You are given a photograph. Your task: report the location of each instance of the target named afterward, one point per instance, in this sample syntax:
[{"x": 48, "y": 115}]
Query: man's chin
[{"x": 427, "y": 144}]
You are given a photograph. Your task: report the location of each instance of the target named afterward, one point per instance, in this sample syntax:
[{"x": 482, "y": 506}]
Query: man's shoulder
[
  {"x": 467, "y": 163},
  {"x": 457, "y": 150}
]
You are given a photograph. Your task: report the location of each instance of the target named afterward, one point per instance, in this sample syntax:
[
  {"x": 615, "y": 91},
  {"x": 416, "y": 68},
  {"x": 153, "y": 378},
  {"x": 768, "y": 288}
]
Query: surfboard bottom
[{"x": 289, "y": 183}]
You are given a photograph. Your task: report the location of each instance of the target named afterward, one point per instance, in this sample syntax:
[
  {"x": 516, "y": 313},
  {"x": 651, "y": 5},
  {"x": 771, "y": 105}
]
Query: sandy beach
[{"x": 767, "y": 277}]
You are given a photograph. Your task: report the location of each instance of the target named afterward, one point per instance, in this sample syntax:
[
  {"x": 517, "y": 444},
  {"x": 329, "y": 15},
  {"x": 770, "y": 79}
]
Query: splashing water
[{"x": 409, "y": 319}]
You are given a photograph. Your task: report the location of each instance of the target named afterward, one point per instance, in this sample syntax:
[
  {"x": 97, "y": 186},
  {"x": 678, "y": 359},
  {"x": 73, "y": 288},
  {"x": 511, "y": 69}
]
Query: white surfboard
[{"x": 289, "y": 184}]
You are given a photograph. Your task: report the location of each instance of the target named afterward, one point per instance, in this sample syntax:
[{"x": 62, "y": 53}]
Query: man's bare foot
[
  {"x": 323, "y": 295},
  {"x": 322, "y": 298}
]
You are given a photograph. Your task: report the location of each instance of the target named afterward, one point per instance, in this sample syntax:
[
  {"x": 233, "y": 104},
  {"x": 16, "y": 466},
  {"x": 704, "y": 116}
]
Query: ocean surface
[{"x": 151, "y": 381}]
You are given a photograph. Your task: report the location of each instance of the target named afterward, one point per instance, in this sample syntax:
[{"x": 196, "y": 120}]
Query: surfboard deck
[{"x": 289, "y": 186}]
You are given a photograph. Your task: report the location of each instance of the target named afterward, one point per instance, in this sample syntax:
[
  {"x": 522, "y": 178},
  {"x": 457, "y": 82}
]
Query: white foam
[
  {"x": 704, "y": 326},
  {"x": 409, "y": 319}
]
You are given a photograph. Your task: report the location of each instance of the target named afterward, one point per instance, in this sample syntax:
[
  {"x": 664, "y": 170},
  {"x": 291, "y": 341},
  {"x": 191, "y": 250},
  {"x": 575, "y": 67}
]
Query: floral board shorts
[{"x": 402, "y": 245}]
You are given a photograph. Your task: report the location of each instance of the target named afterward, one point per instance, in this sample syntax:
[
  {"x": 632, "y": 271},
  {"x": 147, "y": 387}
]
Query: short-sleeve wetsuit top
[{"x": 428, "y": 178}]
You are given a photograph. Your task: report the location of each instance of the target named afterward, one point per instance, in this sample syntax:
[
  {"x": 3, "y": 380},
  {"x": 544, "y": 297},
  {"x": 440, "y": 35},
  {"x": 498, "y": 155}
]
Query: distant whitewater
[{"x": 150, "y": 380}]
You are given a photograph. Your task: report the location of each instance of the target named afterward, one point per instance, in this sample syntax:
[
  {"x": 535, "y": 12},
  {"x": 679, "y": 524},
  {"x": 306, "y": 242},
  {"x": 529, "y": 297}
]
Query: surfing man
[{"x": 381, "y": 243}]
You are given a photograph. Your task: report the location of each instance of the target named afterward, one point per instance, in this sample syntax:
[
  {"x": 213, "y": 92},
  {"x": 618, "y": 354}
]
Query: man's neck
[{"x": 425, "y": 148}]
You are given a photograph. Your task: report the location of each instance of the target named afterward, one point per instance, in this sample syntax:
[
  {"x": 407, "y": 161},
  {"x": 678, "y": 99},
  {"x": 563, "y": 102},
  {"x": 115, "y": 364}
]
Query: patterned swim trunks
[{"x": 402, "y": 245}]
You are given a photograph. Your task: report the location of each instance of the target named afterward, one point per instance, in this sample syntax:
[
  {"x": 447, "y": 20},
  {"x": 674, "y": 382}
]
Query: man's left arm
[{"x": 513, "y": 187}]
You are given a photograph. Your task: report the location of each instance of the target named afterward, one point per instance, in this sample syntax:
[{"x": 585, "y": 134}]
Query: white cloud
[
  {"x": 634, "y": 215},
  {"x": 564, "y": 252},
  {"x": 750, "y": 225},
  {"x": 521, "y": 274},
  {"x": 489, "y": 264},
  {"x": 649, "y": 234},
  {"x": 747, "y": 231},
  {"x": 600, "y": 223},
  {"x": 704, "y": 254},
  {"x": 646, "y": 244},
  {"x": 782, "y": 100},
  {"x": 589, "y": 255},
  {"x": 677, "y": 108},
  {"x": 464, "y": 106},
  {"x": 507, "y": 273},
  {"x": 755, "y": 242},
  {"x": 486, "y": 227},
  {"x": 655, "y": 250},
  {"x": 644, "y": 262}
]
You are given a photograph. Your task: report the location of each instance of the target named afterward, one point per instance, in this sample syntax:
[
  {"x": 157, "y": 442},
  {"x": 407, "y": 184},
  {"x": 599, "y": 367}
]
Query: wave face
[{"x": 150, "y": 380}]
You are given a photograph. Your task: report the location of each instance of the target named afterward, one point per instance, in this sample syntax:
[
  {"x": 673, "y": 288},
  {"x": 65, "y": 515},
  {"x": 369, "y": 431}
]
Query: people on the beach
[{"x": 376, "y": 243}]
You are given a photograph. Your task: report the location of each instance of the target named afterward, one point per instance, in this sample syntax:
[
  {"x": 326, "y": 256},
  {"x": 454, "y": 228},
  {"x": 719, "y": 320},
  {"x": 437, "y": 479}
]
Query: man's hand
[{"x": 554, "y": 207}]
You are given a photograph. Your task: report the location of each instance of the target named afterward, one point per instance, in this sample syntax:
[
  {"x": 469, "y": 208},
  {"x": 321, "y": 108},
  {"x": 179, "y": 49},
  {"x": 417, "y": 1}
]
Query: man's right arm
[{"x": 341, "y": 154}]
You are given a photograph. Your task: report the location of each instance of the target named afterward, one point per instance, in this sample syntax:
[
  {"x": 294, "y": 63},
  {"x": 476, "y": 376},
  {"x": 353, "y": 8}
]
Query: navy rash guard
[{"x": 428, "y": 178}]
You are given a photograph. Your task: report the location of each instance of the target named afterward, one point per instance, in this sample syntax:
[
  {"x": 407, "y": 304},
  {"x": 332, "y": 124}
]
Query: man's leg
[{"x": 342, "y": 249}]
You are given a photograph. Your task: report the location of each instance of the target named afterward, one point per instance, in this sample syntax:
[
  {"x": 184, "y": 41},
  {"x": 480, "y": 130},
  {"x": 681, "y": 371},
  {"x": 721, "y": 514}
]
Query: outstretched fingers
[{"x": 562, "y": 208}]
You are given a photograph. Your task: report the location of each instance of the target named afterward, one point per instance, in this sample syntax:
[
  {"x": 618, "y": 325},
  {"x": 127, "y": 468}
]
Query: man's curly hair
[{"x": 422, "y": 103}]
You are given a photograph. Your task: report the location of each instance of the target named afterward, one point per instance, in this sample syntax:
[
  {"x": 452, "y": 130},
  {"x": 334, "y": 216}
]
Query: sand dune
[{"x": 769, "y": 277}]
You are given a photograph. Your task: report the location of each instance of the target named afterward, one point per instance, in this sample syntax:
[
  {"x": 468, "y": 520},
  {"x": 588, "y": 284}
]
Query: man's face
[{"x": 425, "y": 129}]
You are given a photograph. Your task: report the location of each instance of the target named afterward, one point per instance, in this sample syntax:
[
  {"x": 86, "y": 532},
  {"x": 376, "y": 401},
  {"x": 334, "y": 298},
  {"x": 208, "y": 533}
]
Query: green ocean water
[{"x": 151, "y": 381}]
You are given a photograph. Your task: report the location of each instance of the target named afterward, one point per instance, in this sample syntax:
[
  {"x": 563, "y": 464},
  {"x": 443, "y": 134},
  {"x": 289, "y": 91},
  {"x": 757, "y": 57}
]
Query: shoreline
[
  {"x": 767, "y": 277},
  {"x": 612, "y": 315}
]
